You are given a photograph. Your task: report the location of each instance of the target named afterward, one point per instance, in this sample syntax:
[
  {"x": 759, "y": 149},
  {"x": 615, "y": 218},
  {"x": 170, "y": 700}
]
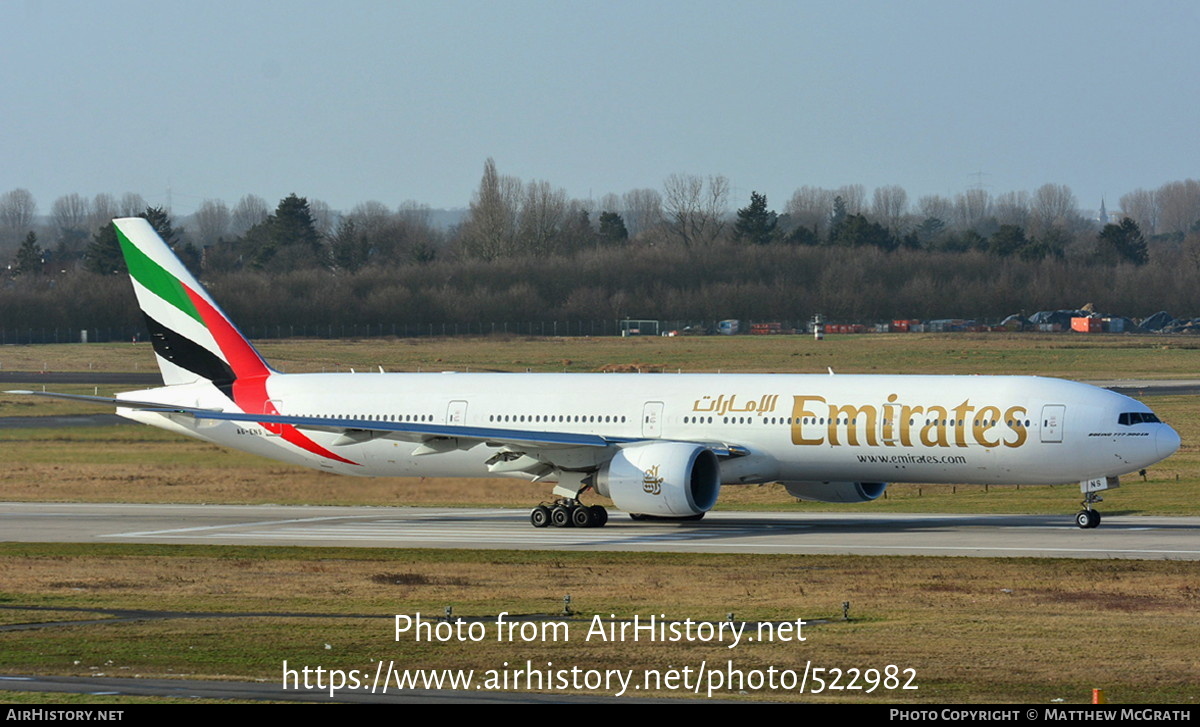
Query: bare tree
[
  {"x": 490, "y": 229},
  {"x": 372, "y": 221},
  {"x": 70, "y": 212},
  {"x": 104, "y": 209},
  {"x": 421, "y": 240},
  {"x": 211, "y": 221},
  {"x": 696, "y": 209},
  {"x": 1054, "y": 205},
  {"x": 811, "y": 207},
  {"x": 17, "y": 210},
  {"x": 610, "y": 203},
  {"x": 322, "y": 216},
  {"x": 132, "y": 204},
  {"x": 69, "y": 216},
  {"x": 1141, "y": 206},
  {"x": 971, "y": 208},
  {"x": 937, "y": 207},
  {"x": 889, "y": 205},
  {"x": 248, "y": 212},
  {"x": 393, "y": 238},
  {"x": 541, "y": 218},
  {"x": 855, "y": 198},
  {"x": 370, "y": 216},
  {"x": 642, "y": 210},
  {"x": 1013, "y": 208},
  {"x": 414, "y": 213},
  {"x": 1179, "y": 206}
]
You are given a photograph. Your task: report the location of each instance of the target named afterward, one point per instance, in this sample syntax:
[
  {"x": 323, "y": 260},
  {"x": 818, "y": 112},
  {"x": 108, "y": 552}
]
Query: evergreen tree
[
  {"x": 287, "y": 240},
  {"x": 858, "y": 231},
  {"x": 612, "y": 229},
  {"x": 803, "y": 236},
  {"x": 348, "y": 248},
  {"x": 29, "y": 256},
  {"x": 1008, "y": 240},
  {"x": 577, "y": 232},
  {"x": 838, "y": 217},
  {"x": 930, "y": 231},
  {"x": 1122, "y": 242},
  {"x": 755, "y": 223},
  {"x": 103, "y": 254},
  {"x": 160, "y": 220}
]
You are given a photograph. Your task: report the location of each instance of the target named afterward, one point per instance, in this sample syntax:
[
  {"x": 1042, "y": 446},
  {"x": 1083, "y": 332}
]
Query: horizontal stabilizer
[{"x": 122, "y": 403}]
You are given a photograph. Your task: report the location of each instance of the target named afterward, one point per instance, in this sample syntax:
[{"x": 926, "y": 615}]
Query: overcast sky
[{"x": 352, "y": 101}]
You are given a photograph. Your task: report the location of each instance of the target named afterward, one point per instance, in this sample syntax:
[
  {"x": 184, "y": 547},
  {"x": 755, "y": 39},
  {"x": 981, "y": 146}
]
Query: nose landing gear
[{"x": 1087, "y": 518}]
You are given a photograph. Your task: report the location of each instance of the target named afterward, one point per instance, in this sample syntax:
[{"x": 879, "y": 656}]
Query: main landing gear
[
  {"x": 1087, "y": 518},
  {"x": 567, "y": 513}
]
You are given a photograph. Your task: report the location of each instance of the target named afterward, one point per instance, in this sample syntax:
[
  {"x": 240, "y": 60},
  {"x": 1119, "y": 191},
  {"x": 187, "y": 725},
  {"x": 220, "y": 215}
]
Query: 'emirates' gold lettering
[{"x": 815, "y": 421}]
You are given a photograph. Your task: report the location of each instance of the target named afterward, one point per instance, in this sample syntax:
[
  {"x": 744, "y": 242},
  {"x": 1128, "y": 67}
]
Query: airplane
[{"x": 660, "y": 447}]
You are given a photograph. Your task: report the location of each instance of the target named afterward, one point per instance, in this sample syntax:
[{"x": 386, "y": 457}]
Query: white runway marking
[{"x": 199, "y": 528}]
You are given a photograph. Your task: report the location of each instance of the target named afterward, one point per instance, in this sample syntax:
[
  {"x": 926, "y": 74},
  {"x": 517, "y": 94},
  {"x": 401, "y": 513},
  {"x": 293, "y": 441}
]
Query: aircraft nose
[{"x": 1166, "y": 441}]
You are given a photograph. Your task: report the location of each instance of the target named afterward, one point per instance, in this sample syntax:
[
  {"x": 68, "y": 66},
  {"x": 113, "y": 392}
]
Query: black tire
[
  {"x": 560, "y": 517},
  {"x": 1095, "y": 520},
  {"x": 637, "y": 516},
  {"x": 599, "y": 515},
  {"x": 582, "y": 517},
  {"x": 1083, "y": 519},
  {"x": 539, "y": 516}
]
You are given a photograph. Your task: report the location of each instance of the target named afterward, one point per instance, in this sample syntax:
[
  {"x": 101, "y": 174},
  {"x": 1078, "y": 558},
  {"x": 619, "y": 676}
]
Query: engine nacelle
[
  {"x": 670, "y": 479},
  {"x": 836, "y": 491}
]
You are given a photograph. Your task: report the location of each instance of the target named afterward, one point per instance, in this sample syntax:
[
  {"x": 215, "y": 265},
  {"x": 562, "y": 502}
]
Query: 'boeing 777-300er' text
[{"x": 658, "y": 446}]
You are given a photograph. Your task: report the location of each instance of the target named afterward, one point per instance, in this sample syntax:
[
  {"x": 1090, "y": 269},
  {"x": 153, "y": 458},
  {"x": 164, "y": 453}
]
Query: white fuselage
[{"x": 960, "y": 429}]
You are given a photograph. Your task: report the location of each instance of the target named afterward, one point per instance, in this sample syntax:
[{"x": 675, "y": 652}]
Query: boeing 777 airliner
[{"x": 658, "y": 446}]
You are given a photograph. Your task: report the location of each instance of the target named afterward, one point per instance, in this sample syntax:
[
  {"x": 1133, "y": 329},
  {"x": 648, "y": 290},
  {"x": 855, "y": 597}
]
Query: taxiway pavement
[{"x": 1042, "y": 536}]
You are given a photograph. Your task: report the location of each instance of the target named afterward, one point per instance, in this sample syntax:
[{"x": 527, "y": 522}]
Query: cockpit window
[{"x": 1136, "y": 417}]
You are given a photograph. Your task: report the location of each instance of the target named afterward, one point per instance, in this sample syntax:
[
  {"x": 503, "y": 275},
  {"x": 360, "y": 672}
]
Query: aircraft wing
[
  {"x": 358, "y": 430},
  {"x": 418, "y": 432}
]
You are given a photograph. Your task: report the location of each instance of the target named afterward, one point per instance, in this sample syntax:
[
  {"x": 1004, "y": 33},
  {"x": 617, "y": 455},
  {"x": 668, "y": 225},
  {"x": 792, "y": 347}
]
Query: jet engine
[
  {"x": 836, "y": 491},
  {"x": 668, "y": 479}
]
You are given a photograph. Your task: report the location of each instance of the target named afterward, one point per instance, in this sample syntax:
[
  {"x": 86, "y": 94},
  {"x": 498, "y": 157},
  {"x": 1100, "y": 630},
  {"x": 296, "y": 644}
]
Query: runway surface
[{"x": 720, "y": 532}]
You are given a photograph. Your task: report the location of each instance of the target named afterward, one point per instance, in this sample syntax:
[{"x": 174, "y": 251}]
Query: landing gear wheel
[
  {"x": 582, "y": 517},
  {"x": 560, "y": 516},
  {"x": 567, "y": 512},
  {"x": 1088, "y": 518}
]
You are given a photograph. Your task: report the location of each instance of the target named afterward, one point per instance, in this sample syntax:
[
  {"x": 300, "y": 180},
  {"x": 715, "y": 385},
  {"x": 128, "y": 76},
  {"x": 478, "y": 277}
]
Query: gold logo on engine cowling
[{"x": 651, "y": 482}]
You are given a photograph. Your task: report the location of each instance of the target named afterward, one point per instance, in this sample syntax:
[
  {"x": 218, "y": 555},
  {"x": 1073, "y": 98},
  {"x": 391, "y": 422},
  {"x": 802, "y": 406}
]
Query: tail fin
[{"x": 193, "y": 338}]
